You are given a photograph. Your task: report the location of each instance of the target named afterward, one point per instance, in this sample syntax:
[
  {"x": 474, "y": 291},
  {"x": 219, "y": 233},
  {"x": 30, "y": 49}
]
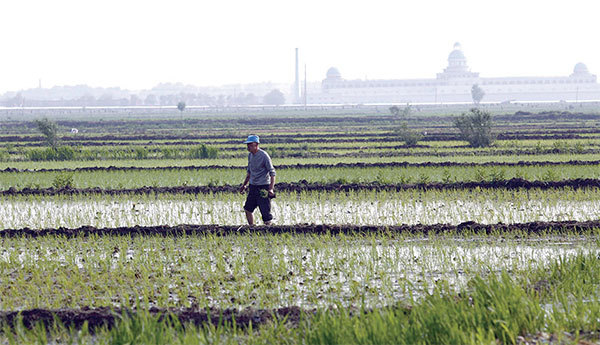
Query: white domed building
[{"x": 454, "y": 85}]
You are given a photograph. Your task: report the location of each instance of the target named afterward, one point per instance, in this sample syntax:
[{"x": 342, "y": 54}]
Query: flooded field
[
  {"x": 357, "y": 208},
  {"x": 260, "y": 271}
]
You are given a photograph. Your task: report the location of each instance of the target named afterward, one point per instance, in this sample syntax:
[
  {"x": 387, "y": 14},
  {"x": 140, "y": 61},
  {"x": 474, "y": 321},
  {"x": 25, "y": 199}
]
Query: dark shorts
[{"x": 254, "y": 199}]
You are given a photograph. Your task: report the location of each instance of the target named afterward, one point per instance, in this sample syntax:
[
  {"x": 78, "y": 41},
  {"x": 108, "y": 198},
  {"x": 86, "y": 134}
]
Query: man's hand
[
  {"x": 242, "y": 188},
  {"x": 271, "y": 193}
]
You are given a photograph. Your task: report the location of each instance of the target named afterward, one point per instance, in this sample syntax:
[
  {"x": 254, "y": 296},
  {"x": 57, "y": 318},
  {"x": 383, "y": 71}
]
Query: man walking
[{"x": 261, "y": 176}]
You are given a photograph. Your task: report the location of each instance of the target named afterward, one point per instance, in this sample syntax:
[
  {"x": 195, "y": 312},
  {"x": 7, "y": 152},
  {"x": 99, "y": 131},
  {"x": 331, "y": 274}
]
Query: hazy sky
[{"x": 136, "y": 44}]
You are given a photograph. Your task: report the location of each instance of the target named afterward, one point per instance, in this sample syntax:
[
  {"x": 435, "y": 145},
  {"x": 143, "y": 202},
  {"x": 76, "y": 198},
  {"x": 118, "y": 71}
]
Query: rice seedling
[
  {"x": 502, "y": 307},
  {"x": 486, "y": 206},
  {"x": 261, "y": 271}
]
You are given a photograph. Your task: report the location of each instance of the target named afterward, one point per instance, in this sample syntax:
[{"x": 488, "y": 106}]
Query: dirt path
[
  {"x": 304, "y": 186},
  {"x": 224, "y": 230}
]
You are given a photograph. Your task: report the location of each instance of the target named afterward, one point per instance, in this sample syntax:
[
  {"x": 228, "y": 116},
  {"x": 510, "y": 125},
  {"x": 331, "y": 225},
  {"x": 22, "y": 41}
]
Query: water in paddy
[{"x": 271, "y": 271}]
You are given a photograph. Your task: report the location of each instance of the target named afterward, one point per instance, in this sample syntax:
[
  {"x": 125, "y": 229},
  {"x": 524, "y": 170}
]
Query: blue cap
[{"x": 252, "y": 139}]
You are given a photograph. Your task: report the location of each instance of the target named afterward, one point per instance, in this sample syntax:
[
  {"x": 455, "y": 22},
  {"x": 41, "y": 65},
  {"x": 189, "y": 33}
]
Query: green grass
[
  {"x": 141, "y": 150},
  {"x": 242, "y": 161},
  {"x": 493, "y": 308},
  {"x": 383, "y": 175}
]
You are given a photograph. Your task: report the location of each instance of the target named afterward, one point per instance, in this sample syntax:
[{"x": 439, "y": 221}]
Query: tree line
[{"x": 274, "y": 97}]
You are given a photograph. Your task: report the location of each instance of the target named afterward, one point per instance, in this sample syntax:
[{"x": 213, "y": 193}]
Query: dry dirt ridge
[
  {"x": 303, "y": 185},
  {"x": 112, "y": 140},
  {"x": 318, "y": 166},
  {"x": 316, "y": 229},
  {"x": 104, "y": 316}
]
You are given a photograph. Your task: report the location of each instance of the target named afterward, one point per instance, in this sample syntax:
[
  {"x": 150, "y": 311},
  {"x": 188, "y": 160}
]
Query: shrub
[
  {"x": 475, "y": 127},
  {"x": 403, "y": 179},
  {"x": 90, "y": 155},
  {"x": 203, "y": 152},
  {"x": 169, "y": 153},
  {"x": 447, "y": 176},
  {"x": 63, "y": 180},
  {"x": 480, "y": 175},
  {"x": 550, "y": 175},
  {"x": 497, "y": 175},
  {"x": 4, "y": 155},
  {"x": 62, "y": 153},
  {"x": 141, "y": 153},
  {"x": 37, "y": 155},
  {"x": 539, "y": 148},
  {"x": 409, "y": 136},
  {"x": 424, "y": 179}
]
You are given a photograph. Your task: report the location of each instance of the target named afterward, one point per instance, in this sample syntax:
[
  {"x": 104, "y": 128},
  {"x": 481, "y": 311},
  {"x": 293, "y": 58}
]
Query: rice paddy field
[{"x": 132, "y": 231}]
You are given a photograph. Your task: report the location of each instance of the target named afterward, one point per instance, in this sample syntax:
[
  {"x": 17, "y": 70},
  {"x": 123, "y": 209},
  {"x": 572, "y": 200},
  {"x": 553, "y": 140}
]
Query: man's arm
[
  {"x": 271, "y": 171},
  {"x": 271, "y": 186},
  {"x": 243, "y": 187}
]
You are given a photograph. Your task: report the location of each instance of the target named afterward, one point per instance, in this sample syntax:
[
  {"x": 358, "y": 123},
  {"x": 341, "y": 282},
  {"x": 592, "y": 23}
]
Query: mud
[
  {"x": 317, "y": 166},
  {"x": 309, "y": 229},
  {"x": 106, "y": 317},
  {"x": 111, "y": 140},
  {"x": 483, "y": 152},
  {"x": 361, "y": 154},
  {"x": 304, "y": 186}
]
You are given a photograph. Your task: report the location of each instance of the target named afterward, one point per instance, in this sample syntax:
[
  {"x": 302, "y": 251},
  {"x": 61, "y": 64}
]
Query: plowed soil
[
  {"x": 104, "y": 316},
  {"x": 333, "y": 229},
  {"x": 320, "y": 166},
  {"x": 303, "y": 186},
  {"x": 111, "y": 140}
]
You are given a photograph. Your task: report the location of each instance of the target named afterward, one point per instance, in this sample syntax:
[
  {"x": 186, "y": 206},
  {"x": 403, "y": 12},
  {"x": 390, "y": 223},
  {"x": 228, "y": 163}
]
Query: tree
[
  {"x": 251, "y": 99},
  {"x": 134, "y": 100},
  {"x": 87, "y": 100},
  {"x": 475, "y": 127},
  {"x": 396, "y": 111},
  {"x": 50, "y": 131},
  {"x": 17, "y": 101},
  {"x": 275, "y": 97},
  {"x": 181, "y": 106},
  {"x": 477, "y": 93},
  {"x": 150, "y": 100},
  {"x": 106, "y": 99}
]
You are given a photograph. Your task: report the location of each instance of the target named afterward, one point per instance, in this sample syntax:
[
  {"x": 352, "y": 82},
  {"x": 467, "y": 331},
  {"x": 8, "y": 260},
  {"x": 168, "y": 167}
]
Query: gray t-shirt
[{"x": 260, "y": 168}]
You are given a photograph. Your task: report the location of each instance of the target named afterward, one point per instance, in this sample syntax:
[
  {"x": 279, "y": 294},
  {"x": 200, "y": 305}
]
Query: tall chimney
[{"x": 297, "y": 82}]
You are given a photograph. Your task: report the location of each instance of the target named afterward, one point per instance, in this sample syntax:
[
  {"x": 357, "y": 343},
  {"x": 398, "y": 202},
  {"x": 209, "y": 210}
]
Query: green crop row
[
  {"x": 157, "y": 151},
  {"x": 559, "y": 297},
  {"x": 121, "y": 179},
  {"x": 68, "y": 153},
  {"x": 314, "y": 142},
  {"x": 242, "y": 161}
]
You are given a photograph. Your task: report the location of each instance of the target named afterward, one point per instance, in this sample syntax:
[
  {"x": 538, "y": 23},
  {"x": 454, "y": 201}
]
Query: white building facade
[{"x": 454, "y": 84}]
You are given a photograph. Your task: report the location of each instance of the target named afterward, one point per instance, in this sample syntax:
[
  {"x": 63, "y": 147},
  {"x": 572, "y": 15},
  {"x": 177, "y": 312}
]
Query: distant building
[{"x": 454, "y": 85}]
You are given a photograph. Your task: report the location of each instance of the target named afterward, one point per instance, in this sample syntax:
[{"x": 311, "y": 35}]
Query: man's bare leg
[{"x": 249, "y": 217}]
